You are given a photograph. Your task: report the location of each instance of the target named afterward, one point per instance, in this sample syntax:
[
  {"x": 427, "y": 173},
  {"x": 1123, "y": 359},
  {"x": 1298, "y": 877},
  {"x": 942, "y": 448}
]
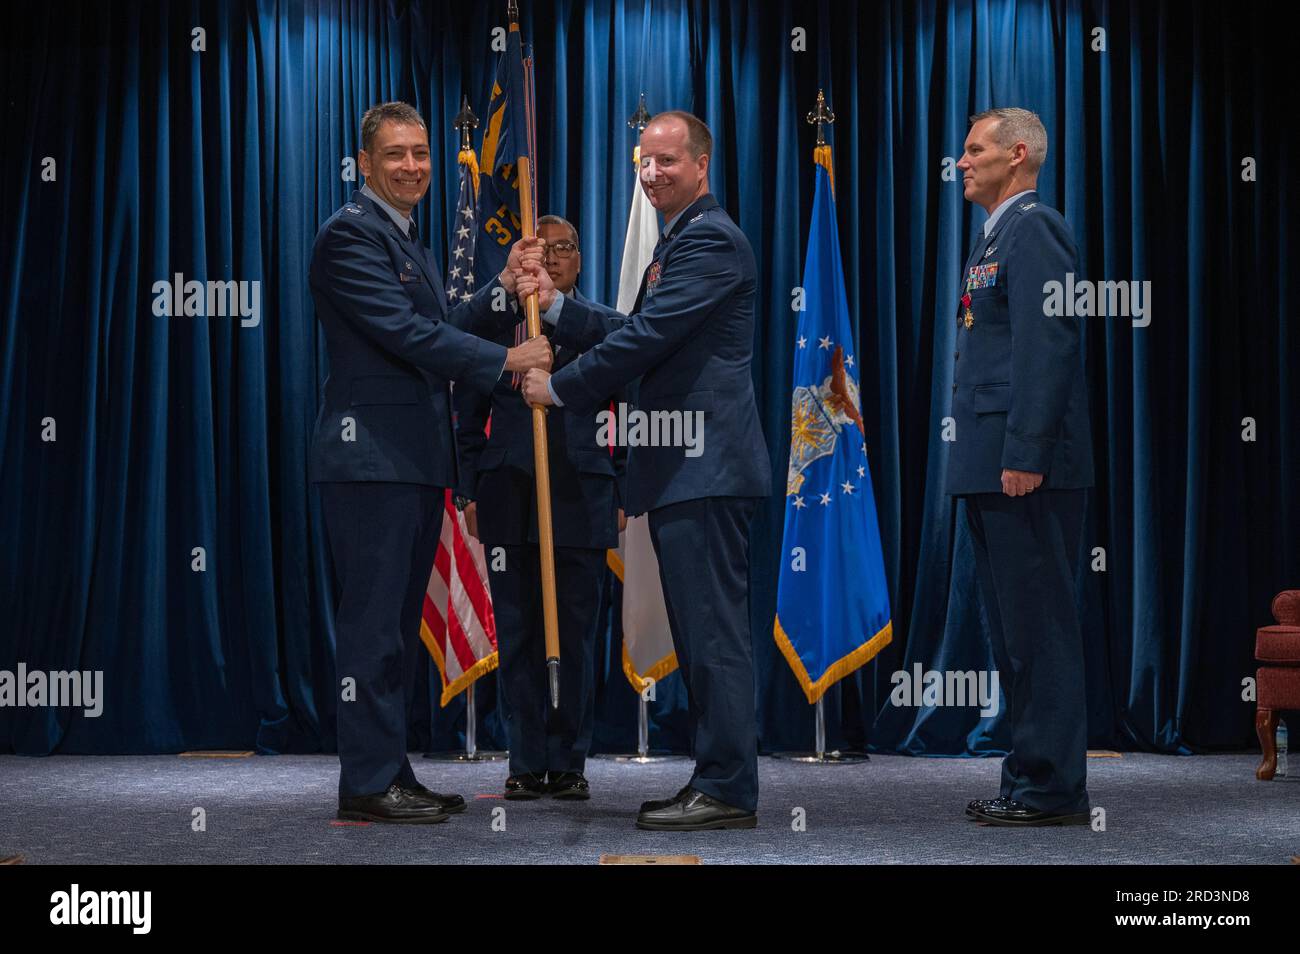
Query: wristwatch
[{"x": 461, "y": 502}]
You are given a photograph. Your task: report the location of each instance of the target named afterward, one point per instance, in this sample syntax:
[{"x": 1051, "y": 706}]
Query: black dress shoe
[
  {"x": 399, "y": 805},
  {"x": 657, "y": 803},
  {"x": 569, "y": 785},
  {"x": 696, "y": 812},
  {"x": 1009, "y": 812},
  {"x": 979, "y": 804},
  {"x": 520, "y": 788},
  {"x": 451, "y": 804}
]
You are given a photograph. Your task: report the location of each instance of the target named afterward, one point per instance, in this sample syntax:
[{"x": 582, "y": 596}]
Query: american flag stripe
[
  {"x": 459, "y": 626},
  {"x": 470, "y": 595}
]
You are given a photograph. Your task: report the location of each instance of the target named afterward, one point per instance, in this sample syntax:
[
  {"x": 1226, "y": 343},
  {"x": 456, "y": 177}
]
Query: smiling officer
[
  {"x": 691, "y": 334},
  {"x": 383, "y": 450},
  {"x": 1021, "y": 459}
]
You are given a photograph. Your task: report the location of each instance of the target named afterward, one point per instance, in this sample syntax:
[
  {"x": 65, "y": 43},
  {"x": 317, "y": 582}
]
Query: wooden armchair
[{"x": 1277, "y": 682}]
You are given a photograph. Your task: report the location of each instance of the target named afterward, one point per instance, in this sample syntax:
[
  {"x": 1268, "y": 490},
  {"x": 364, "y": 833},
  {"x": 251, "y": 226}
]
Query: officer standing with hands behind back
[{"x": 1021, "y": 458}]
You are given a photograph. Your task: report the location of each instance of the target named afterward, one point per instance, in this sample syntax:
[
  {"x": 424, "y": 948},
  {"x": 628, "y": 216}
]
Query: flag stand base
[
  {"x": 643, "y": 756},
  {"x": 824, "y": 758},
  {"x": 466, "y": 757},
  {"x": 820, "y": 756},
  {"x": 471, "y": 753}
]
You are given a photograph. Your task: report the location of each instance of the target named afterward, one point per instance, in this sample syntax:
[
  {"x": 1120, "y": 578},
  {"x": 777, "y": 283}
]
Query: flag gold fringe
[
  {"x": 659, "y": 670},
  {"x": 837, "y": 670},
  {"x": 822, "y": 157},
  {"x": 463, "y": 681},
  {"x": 466, "y": 157}
]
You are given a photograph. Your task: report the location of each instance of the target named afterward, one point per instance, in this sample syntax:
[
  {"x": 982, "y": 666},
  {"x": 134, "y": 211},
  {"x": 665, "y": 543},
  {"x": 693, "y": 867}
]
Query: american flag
[{"x": 458, "y": 626}]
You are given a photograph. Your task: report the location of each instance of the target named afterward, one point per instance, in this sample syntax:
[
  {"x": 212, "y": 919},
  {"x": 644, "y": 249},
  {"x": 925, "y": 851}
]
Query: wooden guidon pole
[{"x": 541, "y": 456}]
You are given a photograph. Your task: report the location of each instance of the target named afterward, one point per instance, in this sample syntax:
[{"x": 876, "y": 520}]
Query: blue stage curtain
[{"x": 176, "y": 433}]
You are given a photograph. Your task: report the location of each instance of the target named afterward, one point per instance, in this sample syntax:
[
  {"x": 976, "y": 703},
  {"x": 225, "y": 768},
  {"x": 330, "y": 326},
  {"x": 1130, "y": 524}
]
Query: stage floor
[{"x": 893, "y": 809}]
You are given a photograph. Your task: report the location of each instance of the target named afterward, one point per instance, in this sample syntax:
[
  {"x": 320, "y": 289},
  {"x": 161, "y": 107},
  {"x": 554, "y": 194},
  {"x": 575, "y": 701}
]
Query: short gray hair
[
  {"x": 1018, "y": 125},
  {"x": 559, "y": 220},
  {"x": 396, "y": 112}
]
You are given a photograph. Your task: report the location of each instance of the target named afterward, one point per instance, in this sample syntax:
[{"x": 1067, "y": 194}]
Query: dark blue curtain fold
[{"x": 174, "y": 433}]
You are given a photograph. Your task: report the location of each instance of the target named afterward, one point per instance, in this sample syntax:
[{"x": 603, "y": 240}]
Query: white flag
[{"x": 647, "y": 641}]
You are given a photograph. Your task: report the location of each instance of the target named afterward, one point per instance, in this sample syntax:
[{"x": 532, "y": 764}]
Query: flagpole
[
  {"x": 638, "y": 121},
  {"x": 541, "y": 457},
  {"x": 821, "y": 116},
  {"x": 464, "y": 123}
]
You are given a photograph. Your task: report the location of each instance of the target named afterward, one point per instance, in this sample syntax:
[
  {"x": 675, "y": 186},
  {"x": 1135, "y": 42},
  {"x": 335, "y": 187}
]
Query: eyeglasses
[{"x": 562, "y": 250}]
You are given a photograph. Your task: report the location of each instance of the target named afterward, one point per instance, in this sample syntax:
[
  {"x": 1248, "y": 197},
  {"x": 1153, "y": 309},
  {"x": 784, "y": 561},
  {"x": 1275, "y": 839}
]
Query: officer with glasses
[{"x": 548, "y": 749}]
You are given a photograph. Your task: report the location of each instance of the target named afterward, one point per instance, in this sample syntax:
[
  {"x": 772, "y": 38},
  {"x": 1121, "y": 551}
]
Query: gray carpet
[{"x": 1159, "y": 809}]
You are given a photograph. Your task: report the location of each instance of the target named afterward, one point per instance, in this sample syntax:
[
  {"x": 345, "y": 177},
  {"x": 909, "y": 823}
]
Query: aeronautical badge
[
  {"x": 652, "y": 277},
  {"x": 991, "y": 250},
  {"x": 408, "y": 273}
]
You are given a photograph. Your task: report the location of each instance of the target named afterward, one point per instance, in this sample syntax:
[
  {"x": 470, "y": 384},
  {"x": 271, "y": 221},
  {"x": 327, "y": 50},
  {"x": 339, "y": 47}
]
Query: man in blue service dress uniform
[
  {"x": 690, "y": 336},
  {"x": 1021, "y": 457},
  {"x": 548, "y": 750},
  {"x": 383, "y": 448}
]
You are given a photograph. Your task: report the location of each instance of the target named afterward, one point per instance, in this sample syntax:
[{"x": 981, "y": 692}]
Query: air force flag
[{"x": 832, "y": 601}]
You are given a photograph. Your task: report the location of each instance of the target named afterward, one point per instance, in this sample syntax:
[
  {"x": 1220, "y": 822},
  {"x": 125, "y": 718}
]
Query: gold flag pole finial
[
  {"x": 821, "y": 117},
  {"x": 641, "y": 118},
  {"x": 466, "y": 122},
  {"x": 638, "y": 121}
]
